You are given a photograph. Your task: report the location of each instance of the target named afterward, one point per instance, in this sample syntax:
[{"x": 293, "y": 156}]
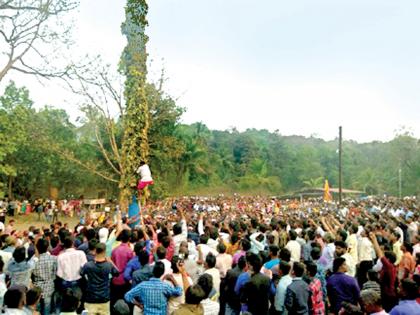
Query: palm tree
[{"x": 314, "y": 182}]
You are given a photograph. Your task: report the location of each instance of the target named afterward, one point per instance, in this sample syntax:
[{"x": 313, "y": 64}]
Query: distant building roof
[{"x": 313, "y": 192}]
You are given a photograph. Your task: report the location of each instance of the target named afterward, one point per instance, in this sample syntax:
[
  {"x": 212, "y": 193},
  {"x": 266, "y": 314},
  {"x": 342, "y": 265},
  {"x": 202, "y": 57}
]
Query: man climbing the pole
[{"x": 145, "y": 177}]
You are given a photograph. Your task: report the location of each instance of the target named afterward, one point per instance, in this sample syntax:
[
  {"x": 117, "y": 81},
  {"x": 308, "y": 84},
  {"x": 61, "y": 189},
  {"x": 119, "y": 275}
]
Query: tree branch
[
  {"x": 104, "y": 153},
  {"x": 57, "y": 8},
  {"x": 85, "y": 165},
  {"x": 27, "y": 22}
]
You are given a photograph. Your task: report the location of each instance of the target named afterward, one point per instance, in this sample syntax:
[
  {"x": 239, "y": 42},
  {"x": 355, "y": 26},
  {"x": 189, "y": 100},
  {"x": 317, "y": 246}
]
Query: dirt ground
[{"x": 23, "y": 222}]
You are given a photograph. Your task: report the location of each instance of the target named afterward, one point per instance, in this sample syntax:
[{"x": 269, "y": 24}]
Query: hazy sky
[{"x": 302, "y": 67}]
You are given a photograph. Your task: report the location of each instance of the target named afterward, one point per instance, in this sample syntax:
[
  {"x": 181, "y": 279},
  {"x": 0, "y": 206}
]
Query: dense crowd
[
  {"x": 225, "y": 255},
  {"x": 49, "y": 209}
]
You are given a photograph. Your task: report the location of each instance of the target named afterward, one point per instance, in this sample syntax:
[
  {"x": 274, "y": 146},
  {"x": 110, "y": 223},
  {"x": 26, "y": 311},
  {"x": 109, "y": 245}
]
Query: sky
[{"x": 300, "y": 67}]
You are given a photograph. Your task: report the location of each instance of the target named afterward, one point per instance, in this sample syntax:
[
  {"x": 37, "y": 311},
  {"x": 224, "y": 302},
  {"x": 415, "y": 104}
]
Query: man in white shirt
[
  {"x": 69, "y": 263},
  {"x": 293, "y": 246},
  {"x": 257, "y": 242},
  {"x": 210, "y": 307},
  {"x": 416, "y": 247},
  {"x": 210, "y": 265},
  {"x": 412, "y": 230},
  {"x": 327, "y": 256},
  {"x": 145, "y": 177},
  {"x": 342, "y": 251},
  {"x": 204, "y": 249},
  {"x": 366, "y": 256},
  {"x": 6, "y": 256},
  {"x": 180, "y": 231},
  {"x": 207, "y": 244},
  {"x": 352, "y": 243},
  {"x": 14, "y": 298},
  {"x": 161, "y": 255},
  {"x": 223, "y": 260},
  {"x": 365, "y": 249}
]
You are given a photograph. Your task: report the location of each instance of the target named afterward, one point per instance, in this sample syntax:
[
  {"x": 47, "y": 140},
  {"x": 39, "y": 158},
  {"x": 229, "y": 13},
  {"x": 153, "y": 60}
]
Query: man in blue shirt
[
  {"x": 256, "y": 292},
  {"x": 97, "y": 274},
  {"x": 134, "y": 264},
  {"x": 408, "y": 304},
  {"x": 284, "y": 282},
  {"x": 233, "y": 305},
  {"x": 341, "y": 287},
  {"x": 297, "y": 293},
  {"x": 88, "y": 235},
  {"x": 154, "y": 294},
  {"x": 145, "y": 272},
  {"x": 274, "y": 258},
  {"x": 242, "y": 279}
]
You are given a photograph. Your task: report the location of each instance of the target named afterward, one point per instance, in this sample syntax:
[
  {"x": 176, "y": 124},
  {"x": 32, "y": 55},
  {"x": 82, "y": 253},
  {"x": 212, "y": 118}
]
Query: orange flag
[{"x": 327, "y": 194}]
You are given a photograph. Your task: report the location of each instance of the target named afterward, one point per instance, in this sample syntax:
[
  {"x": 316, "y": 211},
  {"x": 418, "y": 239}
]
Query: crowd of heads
[{"x": 303, "y": 239}]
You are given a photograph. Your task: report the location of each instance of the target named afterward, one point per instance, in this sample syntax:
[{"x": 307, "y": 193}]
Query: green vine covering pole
[{"x": 135, "y": 144}]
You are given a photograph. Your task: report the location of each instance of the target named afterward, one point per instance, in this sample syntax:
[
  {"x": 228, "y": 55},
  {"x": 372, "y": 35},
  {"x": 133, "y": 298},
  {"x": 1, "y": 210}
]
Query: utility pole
[
  {"x": 399, "y": 181},
  {"x": 340, "y": 166}
]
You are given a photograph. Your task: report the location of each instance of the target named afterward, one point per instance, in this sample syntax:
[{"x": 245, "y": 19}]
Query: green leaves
[
  {"x": 15, "y": 112},
  {"x": 40, "y": 149},
  {"x": 135, "y": 142}
]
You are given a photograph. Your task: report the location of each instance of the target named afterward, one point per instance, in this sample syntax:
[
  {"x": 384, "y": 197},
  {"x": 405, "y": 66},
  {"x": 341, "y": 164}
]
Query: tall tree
[
  {"x": 135, "y": 144},
  {"x": 15, "y": 111}
]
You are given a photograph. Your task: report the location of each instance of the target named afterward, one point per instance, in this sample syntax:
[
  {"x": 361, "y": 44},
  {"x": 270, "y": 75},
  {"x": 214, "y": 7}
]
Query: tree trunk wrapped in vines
[{"x": 135, "y": 145}]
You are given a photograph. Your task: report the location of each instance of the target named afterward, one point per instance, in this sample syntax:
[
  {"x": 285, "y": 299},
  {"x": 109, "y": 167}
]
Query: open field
[{"x": 25, "y": 221}]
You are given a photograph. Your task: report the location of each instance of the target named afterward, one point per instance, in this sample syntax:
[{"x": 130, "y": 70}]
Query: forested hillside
[{"x": 42, "y": 149}]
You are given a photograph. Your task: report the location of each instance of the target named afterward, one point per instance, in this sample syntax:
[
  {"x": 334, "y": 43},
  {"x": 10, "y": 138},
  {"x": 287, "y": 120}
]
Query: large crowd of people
[{"x": 224, "y": 255}]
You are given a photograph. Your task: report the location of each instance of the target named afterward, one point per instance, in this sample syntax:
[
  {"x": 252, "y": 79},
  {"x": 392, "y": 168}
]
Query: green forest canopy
[{"x": 42, "y": 148}]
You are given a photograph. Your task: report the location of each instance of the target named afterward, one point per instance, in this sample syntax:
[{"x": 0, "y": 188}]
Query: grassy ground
[{"x": 25, "y": 221}]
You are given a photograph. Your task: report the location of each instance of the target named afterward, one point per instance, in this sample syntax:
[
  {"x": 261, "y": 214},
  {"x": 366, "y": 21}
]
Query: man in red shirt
[
  {"x": 120, "y": 256},
  {"x": 388, "y": 275},
  {"x": 317, "y": 306}
]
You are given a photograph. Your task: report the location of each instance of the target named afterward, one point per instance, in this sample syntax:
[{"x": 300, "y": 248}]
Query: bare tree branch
[
  {"x": 104, "y": 152},
  {"x": 97, "y": 89},
  {"x": 69, "y": 156},
  {"x": 46, "y": 142},
  {"x": 49, "y": 7},
  {"x": 24, "y": 25}
]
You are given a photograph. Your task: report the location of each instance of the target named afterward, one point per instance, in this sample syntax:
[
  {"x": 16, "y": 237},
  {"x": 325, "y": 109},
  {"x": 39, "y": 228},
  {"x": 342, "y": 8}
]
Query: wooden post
[
  {"x": 340, "y": 165},
  {"x": 399, "y": 181}
]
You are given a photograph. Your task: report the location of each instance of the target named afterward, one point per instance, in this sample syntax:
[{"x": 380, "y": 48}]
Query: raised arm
[
  {"x": 184, "y": 274},
  {"x": 326, "y": 226},
  {"x": 336, "y": 222},
  {"x": 119, "y": 228},
  {"x": 200, "y": 224},
  {"x": 200, "y": 260},
  {"x": 376, "y": 246},
  {"x": 183, "y": 223}
]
